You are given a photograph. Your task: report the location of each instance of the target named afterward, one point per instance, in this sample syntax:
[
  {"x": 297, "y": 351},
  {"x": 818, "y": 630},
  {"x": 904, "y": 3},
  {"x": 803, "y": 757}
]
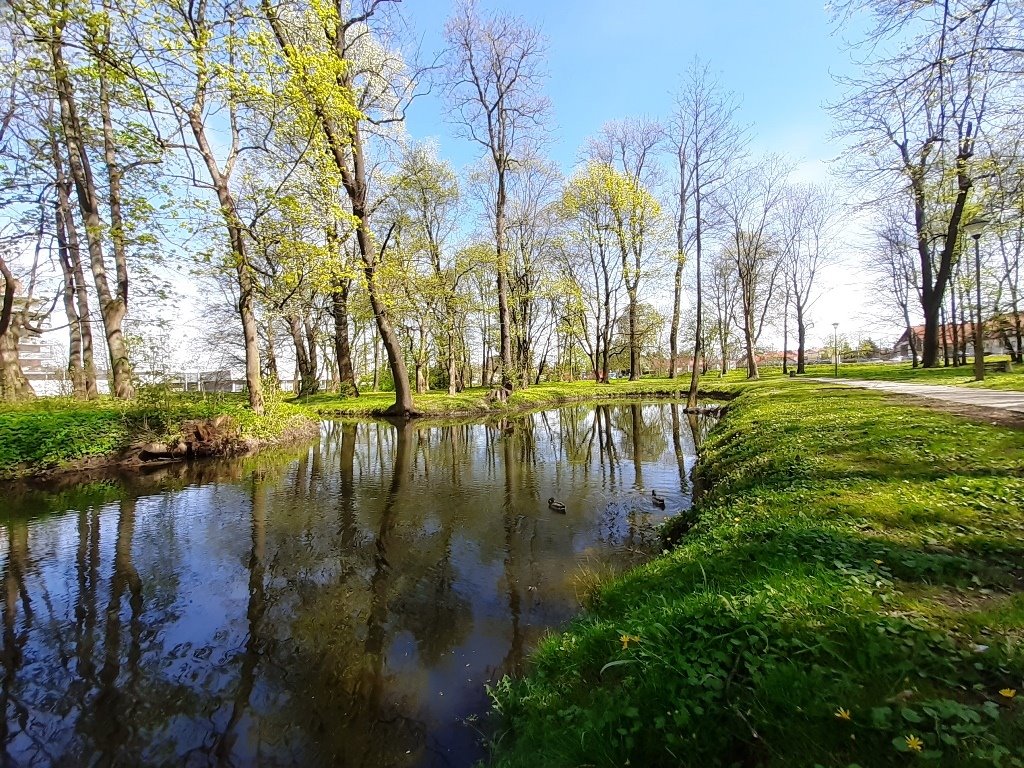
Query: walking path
[{"x": 980, "y": 398}]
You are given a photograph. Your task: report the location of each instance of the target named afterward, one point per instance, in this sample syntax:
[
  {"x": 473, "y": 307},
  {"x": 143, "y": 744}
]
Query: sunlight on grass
[{"x": 850, "y": 554}]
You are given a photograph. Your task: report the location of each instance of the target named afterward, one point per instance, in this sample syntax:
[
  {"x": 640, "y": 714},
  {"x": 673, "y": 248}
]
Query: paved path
[{"x": 982, "y": 398}]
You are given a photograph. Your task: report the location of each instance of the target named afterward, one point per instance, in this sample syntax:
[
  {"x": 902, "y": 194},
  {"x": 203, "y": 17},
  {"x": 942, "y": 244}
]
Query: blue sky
[
  {"x": 612, "y": 59},
  {"x": 609, "y": 59}
]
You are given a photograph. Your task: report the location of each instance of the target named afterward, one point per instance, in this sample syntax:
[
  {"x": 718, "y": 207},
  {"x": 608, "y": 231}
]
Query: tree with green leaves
[
  {"x": 591, "y": 259},
  {"x": 347, "y": 84},
  {"x": 630, "y": 147}
]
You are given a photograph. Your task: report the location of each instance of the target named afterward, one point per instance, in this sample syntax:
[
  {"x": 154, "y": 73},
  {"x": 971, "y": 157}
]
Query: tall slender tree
[
  {"x": 706, "y": 141},
  {"x": 494, "y": 80}
]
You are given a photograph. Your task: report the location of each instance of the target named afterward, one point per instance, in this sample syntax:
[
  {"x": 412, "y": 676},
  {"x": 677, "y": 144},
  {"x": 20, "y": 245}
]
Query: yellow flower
[
  {"x": 878, "y": 562},
  {"x": 843, "y": 714},
  {"x": 914, "y": 744},
  {"x": 627, "y": 639},
  {"x": 1008, "y": 692}
]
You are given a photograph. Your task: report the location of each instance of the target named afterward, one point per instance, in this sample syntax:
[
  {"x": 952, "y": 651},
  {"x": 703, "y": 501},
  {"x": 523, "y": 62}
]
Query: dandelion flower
[
  {"x": 914, "y": 744},
  {"x": 1008, "y": 693},
  {"x": 843, "y": 714},
  {"x": 627, "y": 639}
]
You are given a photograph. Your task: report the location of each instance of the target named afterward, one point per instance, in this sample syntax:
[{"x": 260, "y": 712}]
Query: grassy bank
[
  {"x": 61, "y": 433},
  {"x": 849, "y": 596},
  {"x": 958, "y": 377},
  {"x": 474, "y": 400},
  {"x": 962, "y": 376}
]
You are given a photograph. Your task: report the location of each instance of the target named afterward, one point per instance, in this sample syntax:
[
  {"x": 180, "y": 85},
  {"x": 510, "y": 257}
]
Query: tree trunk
[
  {"x": 342, "y": 348},
  {"x": 673, "y": 336},
  {"x": 634, "y": 352},
  {"x": 954, "y": 321},
  {"x": 785, "y": 336},
  {"x": 691, "y": 397},
  {"x": 485, "y": 361},
  {"x": 236, "y": 238},
  {"x": 748, "y": 339},
  {"x": 81, "y": 368},
  {"x": 112, "y": 307},
  {"x": 13, "y": 384},
  {"x": 964, "y": 304},
  {"x": 312, "y": 350},
  {"x": 376, "y": 362},
  {"x": 504, "y": 314},
  {"x": 81, "y": 294},
  {"x": 113, "y": 193},
  {"x": 308, "y": 383},
  {"x": 76, "y": 371},
  {"x": 945, "y": 335},
  {"x": 723, "y": 345},
  {"x": 452, "y": 384},
  {"x": 801, "y": 338}
]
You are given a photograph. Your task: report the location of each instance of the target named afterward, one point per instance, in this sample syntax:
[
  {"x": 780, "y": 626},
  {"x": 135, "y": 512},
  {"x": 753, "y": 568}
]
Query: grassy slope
[
  {"x": 54, "y": 432},
  {"x": 850, "y": 554}
]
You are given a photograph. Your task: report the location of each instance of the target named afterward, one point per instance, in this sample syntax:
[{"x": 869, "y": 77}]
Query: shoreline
[
  {"x": 45, "y": 440},
  {"x": 105, "y": 435},
  {"x": 850, "y": 555}
]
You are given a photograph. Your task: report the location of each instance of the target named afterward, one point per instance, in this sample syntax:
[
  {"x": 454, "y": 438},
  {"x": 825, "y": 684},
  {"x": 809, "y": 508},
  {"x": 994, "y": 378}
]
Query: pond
[{"x": 341, "y": 603}]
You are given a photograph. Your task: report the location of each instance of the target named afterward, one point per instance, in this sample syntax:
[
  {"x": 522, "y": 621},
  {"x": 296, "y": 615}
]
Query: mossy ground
[{"x": 852, "y": 591}]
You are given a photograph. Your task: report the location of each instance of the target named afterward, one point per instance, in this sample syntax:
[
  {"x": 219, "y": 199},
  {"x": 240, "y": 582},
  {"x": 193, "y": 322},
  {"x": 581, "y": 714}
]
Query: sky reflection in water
[{"x": 339, "y": 604}]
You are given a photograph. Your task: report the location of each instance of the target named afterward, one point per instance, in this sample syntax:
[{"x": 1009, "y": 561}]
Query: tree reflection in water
[{"x": 339, "y": 604}]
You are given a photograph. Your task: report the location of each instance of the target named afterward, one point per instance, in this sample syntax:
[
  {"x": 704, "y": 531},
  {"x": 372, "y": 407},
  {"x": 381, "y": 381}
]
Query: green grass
[
  {"x": 473, "y": 401},
  {"x": 50, "y": 433},
  {"x": 962, "y": 376},
  {"x": 850, "y": 554}
]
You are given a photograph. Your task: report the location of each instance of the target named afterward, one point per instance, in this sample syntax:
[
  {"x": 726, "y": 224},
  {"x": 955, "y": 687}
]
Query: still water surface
[{"x": 343, "y": 603}]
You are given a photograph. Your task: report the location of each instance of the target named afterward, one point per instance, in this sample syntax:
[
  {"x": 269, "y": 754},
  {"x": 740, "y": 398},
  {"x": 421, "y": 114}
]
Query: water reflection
[{"x": 342, "y": 604}]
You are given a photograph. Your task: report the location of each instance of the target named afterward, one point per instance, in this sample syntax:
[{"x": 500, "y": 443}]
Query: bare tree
[
  {"x": 895, "y": 260},
  {"x": 530, "y": 232},
  {"x": 751, "y": 205},
  {"x": 494, "y": 79},
  {"x": 809, "y": 219},
  {"x": 705, "y": 140},
  {"x": 723, "y": 297},
  {"x": 916, "y": 115}
]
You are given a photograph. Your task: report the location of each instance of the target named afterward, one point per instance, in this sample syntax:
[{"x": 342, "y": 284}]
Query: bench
[{"x": 999, "y": 366}]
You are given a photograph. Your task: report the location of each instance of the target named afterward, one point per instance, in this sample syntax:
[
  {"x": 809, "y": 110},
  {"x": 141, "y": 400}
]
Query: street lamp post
[
  {"x": 835, "y": 348},
  {"x": 974, "y": 229}
]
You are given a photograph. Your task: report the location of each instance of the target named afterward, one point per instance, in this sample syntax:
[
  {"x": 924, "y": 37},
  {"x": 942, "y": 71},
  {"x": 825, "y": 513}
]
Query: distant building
[
  {"x": 994, "y": 333},
  {"x": 36, "y": 357},
  {"x": 222, "y": 380},
  {"x": 766, "y": 359}
]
